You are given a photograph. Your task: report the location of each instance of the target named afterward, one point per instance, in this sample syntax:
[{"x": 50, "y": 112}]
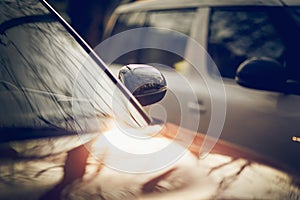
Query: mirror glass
[{"x": 145, "y": 82}]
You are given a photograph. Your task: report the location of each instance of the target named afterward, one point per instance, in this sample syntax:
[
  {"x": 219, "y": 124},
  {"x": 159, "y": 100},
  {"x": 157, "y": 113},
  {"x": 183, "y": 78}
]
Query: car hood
[{"x": 227, "y": 172}]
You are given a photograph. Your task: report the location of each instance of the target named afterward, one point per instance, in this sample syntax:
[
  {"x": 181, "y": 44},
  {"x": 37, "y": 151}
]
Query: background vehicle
[{"x": 265, "y": 114}]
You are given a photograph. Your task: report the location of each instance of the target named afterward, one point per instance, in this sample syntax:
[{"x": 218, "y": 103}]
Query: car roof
[{"x": 173, "y": 4}]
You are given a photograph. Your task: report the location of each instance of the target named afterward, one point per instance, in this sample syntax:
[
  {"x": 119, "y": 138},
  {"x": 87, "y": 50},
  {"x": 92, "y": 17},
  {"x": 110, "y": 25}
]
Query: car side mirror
[
  {"x": 262, "y": 74},
  {"x": 145, "y": 82}
]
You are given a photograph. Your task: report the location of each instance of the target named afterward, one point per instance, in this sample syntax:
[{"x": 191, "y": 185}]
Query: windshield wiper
[
  {"x": 25, "y": 133},
  {"x": 25, "y": 20}
]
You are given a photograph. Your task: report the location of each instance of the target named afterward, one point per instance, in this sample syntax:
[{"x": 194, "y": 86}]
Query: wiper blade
[
  {"x": 15, "y": 134},
  {"x": 25, "y": 20}
]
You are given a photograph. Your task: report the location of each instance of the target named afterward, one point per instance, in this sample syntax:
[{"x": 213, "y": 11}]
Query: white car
[{"x": 254, "y": 45}]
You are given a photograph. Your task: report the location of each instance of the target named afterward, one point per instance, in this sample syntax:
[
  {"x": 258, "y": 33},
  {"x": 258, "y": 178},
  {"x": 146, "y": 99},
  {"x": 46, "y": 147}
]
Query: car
[
  {"x": 69, "y": 129},
  {"x": 238, "y": 59}
]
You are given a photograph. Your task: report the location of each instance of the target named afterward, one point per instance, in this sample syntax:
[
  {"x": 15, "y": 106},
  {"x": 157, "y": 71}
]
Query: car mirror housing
[
  {"x": 145, "y": 82},
  {"x": 262, "y": 73}
]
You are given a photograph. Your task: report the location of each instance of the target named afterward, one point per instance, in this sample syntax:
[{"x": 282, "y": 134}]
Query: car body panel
[{"x": 228, "y": 172}]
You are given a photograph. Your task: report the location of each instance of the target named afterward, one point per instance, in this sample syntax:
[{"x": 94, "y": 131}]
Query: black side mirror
[
  {"x": 262, "y": 73},
  {"x": 145, "y": 82}
]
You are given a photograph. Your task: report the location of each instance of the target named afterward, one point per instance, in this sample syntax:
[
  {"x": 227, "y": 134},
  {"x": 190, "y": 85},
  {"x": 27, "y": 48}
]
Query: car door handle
[{"x": 197, "y": 107}]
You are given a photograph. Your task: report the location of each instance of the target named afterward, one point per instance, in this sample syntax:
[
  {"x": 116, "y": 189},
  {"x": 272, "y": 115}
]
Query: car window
[
  {"x": 175, "y": 20},
  {"x": 236, "y": 34},
  {"x": 294, "y": 69},
  {"x": 48, "y": 80},
  {"x": 129, "y": 21}
]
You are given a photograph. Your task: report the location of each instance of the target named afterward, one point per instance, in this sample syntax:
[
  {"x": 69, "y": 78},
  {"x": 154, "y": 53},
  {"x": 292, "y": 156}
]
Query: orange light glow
[{"x": 296, "y": 139}]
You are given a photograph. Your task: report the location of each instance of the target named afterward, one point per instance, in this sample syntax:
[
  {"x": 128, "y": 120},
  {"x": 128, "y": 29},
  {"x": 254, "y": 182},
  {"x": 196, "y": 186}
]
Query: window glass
[
  {"x": 180, "y": 21},
  {"x": 293, "y": 36},
  {"x": 44, "y": 72},
  {"x": 175, "y": 20},
  {"x": 295, "y": 14},
  {"x": 129, "y": 21},
  {"x": 236, "y": 34}
]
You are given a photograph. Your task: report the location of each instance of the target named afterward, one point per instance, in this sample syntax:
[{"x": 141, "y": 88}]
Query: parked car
[
  {"x": 70, "y": 130},
  {"x": 254, "y": 48}
]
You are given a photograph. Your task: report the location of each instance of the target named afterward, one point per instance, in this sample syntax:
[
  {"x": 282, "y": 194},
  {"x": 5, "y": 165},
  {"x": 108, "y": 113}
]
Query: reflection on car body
[{"x": 50, "y": 124}]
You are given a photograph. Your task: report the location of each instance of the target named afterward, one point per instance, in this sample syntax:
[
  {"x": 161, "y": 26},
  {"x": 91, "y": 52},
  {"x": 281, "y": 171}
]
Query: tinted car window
[
  {"x": 236, "y": 34},
  {"x": 47, "y": 80},
  {"x": 176, "y": 20}
]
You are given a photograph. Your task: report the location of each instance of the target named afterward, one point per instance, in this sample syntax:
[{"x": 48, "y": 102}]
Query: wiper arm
[
  {"x": 25, "y": 133},
  {"x": 25, "y": 20}
]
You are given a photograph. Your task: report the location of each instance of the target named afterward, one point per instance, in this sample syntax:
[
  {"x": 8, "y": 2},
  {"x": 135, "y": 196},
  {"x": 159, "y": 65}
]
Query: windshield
[{"x": 47, "y": 80}]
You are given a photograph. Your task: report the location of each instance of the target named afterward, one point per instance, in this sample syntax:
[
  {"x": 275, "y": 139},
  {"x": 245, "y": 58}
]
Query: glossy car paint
[{"x": 228, "y": 172}]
